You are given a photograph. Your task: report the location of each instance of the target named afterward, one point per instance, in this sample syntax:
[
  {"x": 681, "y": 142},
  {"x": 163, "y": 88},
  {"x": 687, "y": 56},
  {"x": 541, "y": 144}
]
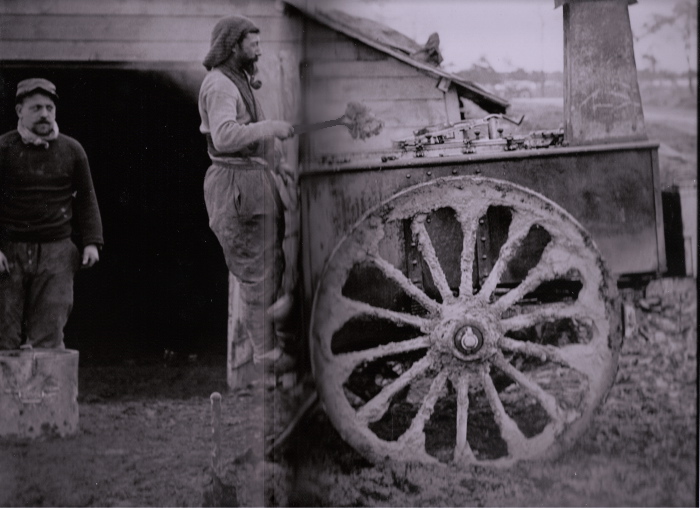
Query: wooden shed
[
  {"x": 349, "y": 58},
  {"x": 128, "y": 74}
]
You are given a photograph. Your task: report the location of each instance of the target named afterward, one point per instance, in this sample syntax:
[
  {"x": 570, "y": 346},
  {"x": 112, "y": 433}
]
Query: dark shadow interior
[{"x": 162, "y": 281}]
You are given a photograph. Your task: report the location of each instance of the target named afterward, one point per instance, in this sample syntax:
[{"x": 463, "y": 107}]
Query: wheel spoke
[
  {"x": 404, "y": 283},
  {"x": 579, "y": 357},
  {"x": 537, "y": 275},
  {"x": 348, "y": 309},
  {"x": 345, "y": 363},
  {"x": 463, "y": 452},
  {"x": 425, "y": 245},
  {"x": 540, "y": 351},
  {"x": 518, "y": 230},
  {"x": 468, "y": 219},
  {"x": 547, "y": 401},
  {"x": 555, "y": 261},
  {"x": 414, "y": 437},
  {"x": 378, "y": 405},
  {"x": 509, "y": 429},
  {"x": 546, "y": 312}
]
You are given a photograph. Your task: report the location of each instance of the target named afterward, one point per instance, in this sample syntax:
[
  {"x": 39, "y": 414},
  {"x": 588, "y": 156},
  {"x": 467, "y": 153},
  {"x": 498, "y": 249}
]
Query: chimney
[{"x": 601, "y": 94}]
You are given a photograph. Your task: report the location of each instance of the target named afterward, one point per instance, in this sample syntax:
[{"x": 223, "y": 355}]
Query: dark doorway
[{"x": 162, "y": 281}]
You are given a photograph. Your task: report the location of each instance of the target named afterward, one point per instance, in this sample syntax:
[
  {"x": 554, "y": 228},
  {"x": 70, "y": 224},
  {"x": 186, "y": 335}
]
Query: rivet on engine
[
  {"x": 454, "y": 171},
  {"x": 478, "y": 171},
  {"x": 428, "y": 220},
  {"x": 408, "y": 175},
  {"x": 430, "y": 173},
  {"x": 483, "y": 256},
  {"x": 481, "y": 221},
  {"x": 414, "y": 262},
  {"x": 483, "y": 238}
]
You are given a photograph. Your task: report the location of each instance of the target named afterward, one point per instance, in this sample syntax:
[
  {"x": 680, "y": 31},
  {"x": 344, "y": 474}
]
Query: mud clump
[{"x": 362, "y": 123}]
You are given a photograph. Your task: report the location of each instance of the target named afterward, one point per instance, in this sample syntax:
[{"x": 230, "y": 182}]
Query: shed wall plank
[
  {"x": 150, "y": 7},
  {"x": 364, "y": 88},
  {"x": 389, "y": 68},
  {"x": 30, "y": 27},
  {"x": 113, "y": 51},
  {"x": 332, "y": 51},
  {"x": 316, "y": 32},
  {"x": 394, "y": 113},
  {"x": 452, "y": 106}
]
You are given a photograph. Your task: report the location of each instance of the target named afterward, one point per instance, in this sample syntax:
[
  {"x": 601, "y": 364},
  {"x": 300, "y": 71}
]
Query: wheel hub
[
  {"x": 468, "y": 339},
  {"x": 466, "y": 333}
]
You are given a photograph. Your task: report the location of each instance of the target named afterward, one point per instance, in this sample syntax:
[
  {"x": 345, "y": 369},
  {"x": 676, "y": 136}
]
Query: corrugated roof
[{"x": 399, "y": 46}]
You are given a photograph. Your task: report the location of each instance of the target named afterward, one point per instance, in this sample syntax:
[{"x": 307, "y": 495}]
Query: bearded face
[{"x": 247, "y": 52}]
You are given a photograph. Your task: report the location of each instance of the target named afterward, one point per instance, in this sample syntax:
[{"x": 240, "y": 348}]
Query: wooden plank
[
  {"x": 393, "y": 113},
  {"x": 315, "y": 32},
  {"x": 145, "y": 7},
  {"x": 367, "y": 54},
  {"x": 417, "y": 88},
  {"x": 279, "y": 73},
  {"x": 114, "y": 51},
  {"x": 452, "y": 106},
  {"x": 337, "y": 141},
  {"x": 334, "y": 51},
  {"x": 134, "y": 28},
  {"x": 390, "y": 68},
  {"x": 342, "y": 48}
]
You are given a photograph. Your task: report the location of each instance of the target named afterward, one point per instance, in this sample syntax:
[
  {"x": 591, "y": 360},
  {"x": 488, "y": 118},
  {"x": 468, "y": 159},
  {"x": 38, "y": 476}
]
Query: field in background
[{"x": 674, "y": 128}]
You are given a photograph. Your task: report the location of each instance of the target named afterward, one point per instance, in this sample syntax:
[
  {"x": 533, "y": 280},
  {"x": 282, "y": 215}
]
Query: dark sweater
[{"x": 42, "y": 189}]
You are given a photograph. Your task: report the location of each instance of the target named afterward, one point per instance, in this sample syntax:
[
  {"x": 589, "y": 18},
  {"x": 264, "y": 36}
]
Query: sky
[{"x": 511, "y": 33}]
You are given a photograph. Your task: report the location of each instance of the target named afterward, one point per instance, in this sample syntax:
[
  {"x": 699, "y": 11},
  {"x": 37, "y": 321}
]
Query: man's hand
[
  {"x": 4, "y": 265},
  {"x": 281, "y": 129},
  {"x": 90, "y": 256},
  {"x": 286, "y": 172}
]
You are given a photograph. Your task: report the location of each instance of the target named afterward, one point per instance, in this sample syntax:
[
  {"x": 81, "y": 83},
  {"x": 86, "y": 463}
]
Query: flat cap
[{"x": 27, "y": 86}]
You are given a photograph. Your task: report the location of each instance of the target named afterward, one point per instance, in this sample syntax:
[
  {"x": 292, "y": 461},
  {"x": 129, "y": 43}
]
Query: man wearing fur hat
[
  {"x": 45, "y": 187},
  {"x": 244, "y": 208}
]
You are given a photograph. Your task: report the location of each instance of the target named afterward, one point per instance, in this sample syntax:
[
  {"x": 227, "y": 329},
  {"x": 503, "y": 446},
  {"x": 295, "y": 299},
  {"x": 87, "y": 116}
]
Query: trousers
[
  {"x": 36, "y": 296},
  {"x": 246, "y": 216}
]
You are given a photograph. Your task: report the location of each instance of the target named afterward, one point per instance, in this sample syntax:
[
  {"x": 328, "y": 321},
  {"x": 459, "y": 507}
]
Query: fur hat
[{"x": 227, "y": 32}]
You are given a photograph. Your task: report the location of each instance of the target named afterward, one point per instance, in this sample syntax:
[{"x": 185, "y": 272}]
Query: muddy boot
[{"x": 277, "y": 362}]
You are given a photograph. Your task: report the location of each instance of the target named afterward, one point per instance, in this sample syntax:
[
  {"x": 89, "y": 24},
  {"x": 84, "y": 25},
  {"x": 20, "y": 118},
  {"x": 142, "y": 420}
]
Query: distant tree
[
  {"x": 483, "y": 62},
  {"x": 652, "y": 62},
  {"x": 482, "y": 72},
  {"x": 684, "y": 18}
]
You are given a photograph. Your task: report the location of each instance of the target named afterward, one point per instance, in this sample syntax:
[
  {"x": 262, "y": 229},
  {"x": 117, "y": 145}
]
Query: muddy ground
[{"x": 144, "y": 439}]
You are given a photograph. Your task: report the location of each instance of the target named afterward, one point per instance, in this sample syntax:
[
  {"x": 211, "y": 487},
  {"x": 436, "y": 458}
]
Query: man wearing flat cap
[
  {"x": 244, "y": 208},
  {"x": 45, "y": 188}
]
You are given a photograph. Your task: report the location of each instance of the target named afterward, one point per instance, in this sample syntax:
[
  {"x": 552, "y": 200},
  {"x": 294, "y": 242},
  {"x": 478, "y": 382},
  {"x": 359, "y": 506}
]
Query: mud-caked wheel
[{"x": 424, "y": 351}]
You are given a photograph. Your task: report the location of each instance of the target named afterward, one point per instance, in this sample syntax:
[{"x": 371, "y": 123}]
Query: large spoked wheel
[{"x": 422, "y": 352}]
